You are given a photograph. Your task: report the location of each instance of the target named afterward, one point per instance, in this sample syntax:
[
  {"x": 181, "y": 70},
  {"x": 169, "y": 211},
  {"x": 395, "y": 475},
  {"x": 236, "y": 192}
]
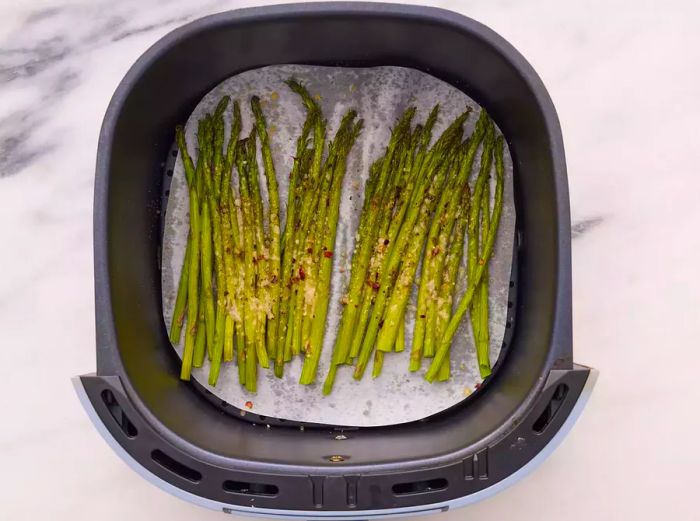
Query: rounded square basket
[{"x": 176, "y": 437}]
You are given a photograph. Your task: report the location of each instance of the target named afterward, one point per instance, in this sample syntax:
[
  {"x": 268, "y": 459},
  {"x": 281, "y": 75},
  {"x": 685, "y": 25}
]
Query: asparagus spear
[
  {"x": 192, "y": 288},
  {"x": 251, "y": 369},
  {"x": 378, "y": 363},
  {"x": 466, "y": 300},
  {"x": 316, "y": 234},
  {"x": 379, "y": 191},
  {"x": 205, "y": 137},
  {"x": 181, "y": 299},
  {"x": 311, "y": 196},
  {"x": 482, "y": 181},
  {"x": 390, "y": 221},
  {"x": 274, "y": 225},
  {"x": 401, "y": 336},
  {"x": 238, "y": 257},
  {"x": 240, "y": 353},
  {"x": 313, "y": 351},
  {"x": 231, "y": 252},
  {"x": 289, "y": 264},
  {"x": 396, "y": 305},
  {"x": 212, "y": 181},
  {"x": 424, "y": 192},
  {"x": 217, "y": 157},
  {"x": 229, "y": 227},
  {"x": 480, "y": 308},
  {"x": 262, "y": 299},
  {"x": 449, "y": 276},
  {"x": 438, "y": 237},
  {"x": 481, "y": 189},
  {"x": 193, "y": 260},
  {"x": 250, "y": 327},
  {"x": 206, "y": 302},
  {"x": 386, "y": 220}
]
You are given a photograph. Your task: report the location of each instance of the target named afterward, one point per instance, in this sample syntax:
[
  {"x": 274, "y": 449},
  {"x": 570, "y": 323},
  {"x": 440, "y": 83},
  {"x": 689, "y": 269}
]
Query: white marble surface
[{"x": 625, "y": 78}]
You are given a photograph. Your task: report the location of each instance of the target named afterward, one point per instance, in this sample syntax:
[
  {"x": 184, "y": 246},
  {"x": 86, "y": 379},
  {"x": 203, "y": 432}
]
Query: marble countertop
[{"x": 625, "y": 78}]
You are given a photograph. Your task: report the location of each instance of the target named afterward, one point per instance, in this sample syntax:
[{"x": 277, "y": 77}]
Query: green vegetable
[{"x": 465, "y": 302}]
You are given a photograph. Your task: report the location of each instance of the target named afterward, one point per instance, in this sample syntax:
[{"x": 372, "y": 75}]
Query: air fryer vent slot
[
  {"x": 419, "y": 487},
  {"x": 251, "y": 489},
  {"x": 550, "y": 411},
  {"x": 123, "y": 421},
  {"x": 176, "y": 467}
]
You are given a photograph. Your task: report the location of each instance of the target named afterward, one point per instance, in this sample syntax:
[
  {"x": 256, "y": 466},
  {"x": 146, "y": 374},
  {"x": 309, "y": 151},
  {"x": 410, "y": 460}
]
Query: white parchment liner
[{"x": 380, "y": 95}]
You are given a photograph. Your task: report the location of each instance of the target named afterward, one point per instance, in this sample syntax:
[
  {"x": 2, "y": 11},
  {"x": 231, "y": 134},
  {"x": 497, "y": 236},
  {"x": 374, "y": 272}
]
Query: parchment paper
[{"x": 380, "y": 95}]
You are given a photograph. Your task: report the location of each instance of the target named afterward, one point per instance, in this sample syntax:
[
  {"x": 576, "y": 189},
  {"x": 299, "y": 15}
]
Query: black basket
[{"x": 181, "y": 440}]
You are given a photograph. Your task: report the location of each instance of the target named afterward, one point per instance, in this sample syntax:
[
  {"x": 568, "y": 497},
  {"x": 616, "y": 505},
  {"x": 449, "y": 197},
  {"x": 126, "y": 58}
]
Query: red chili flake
[
  {"x": 375, "y": 286},
  {"x": 302, "y": 275},
  {"x": 327, "y": 254},
  {"x": 309, "y": 250},
  {"x": 386, "y": 242},
  {"x": 249, "y": 404},
  {"x": 481, "y": 262}
]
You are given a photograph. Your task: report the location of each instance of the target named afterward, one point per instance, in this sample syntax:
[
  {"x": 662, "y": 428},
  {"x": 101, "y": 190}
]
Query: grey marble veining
[{"x": 625, "y": 78}]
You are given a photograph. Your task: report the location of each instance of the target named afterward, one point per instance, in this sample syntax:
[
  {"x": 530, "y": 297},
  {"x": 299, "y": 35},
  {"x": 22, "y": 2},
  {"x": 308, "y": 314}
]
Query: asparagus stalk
[
  {"x": 286, "y": 316},
  {"x": 250, "y": 327},
  {"x": 261, "y": 250},
  {"x": 378, "y": 192},
  {"x": 192, "y": 288},
  {"x": 481, "y": 189},
  {"x": 206, "y": 302},
  {"x": 396, "y": 305},
  {"x": 315, "y": 241},
  {"x": 378, "y": 363},
  {"x": 307, "y": 211},
  {"x": 486, "y": 252},
  {"x": 217, "y": 157},
  {"x": 212, "y": 181},
  {"x": 240, "y": 353},
  {"x": 401, "y": 336},
  {"x": 437, "y": 242},
  {"x": 201, "y": 337},
  {"x": 251, "y": 369},
  {"x": 289, "y": 262},
  {"x": 313, "y": 351},
  {"x": 273, "y": 218},
  {"x": 193, "y": 260},
  {"x": 485, "y": 167},
  {"x": 386, "y": 222},
  {"x": 481, "y": 304},
  {"x": 434, "y": 171},
  {"x": 236, "y": 220},
  {"x": 181, "y": 300},
  {"x": 382, "y": 245},
  {"x": 231, "y": 252},
  {"x": 449, "y": 276}
]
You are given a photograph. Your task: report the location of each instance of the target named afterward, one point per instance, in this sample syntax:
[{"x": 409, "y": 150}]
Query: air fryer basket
[{"x": 177, "y": 438}]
